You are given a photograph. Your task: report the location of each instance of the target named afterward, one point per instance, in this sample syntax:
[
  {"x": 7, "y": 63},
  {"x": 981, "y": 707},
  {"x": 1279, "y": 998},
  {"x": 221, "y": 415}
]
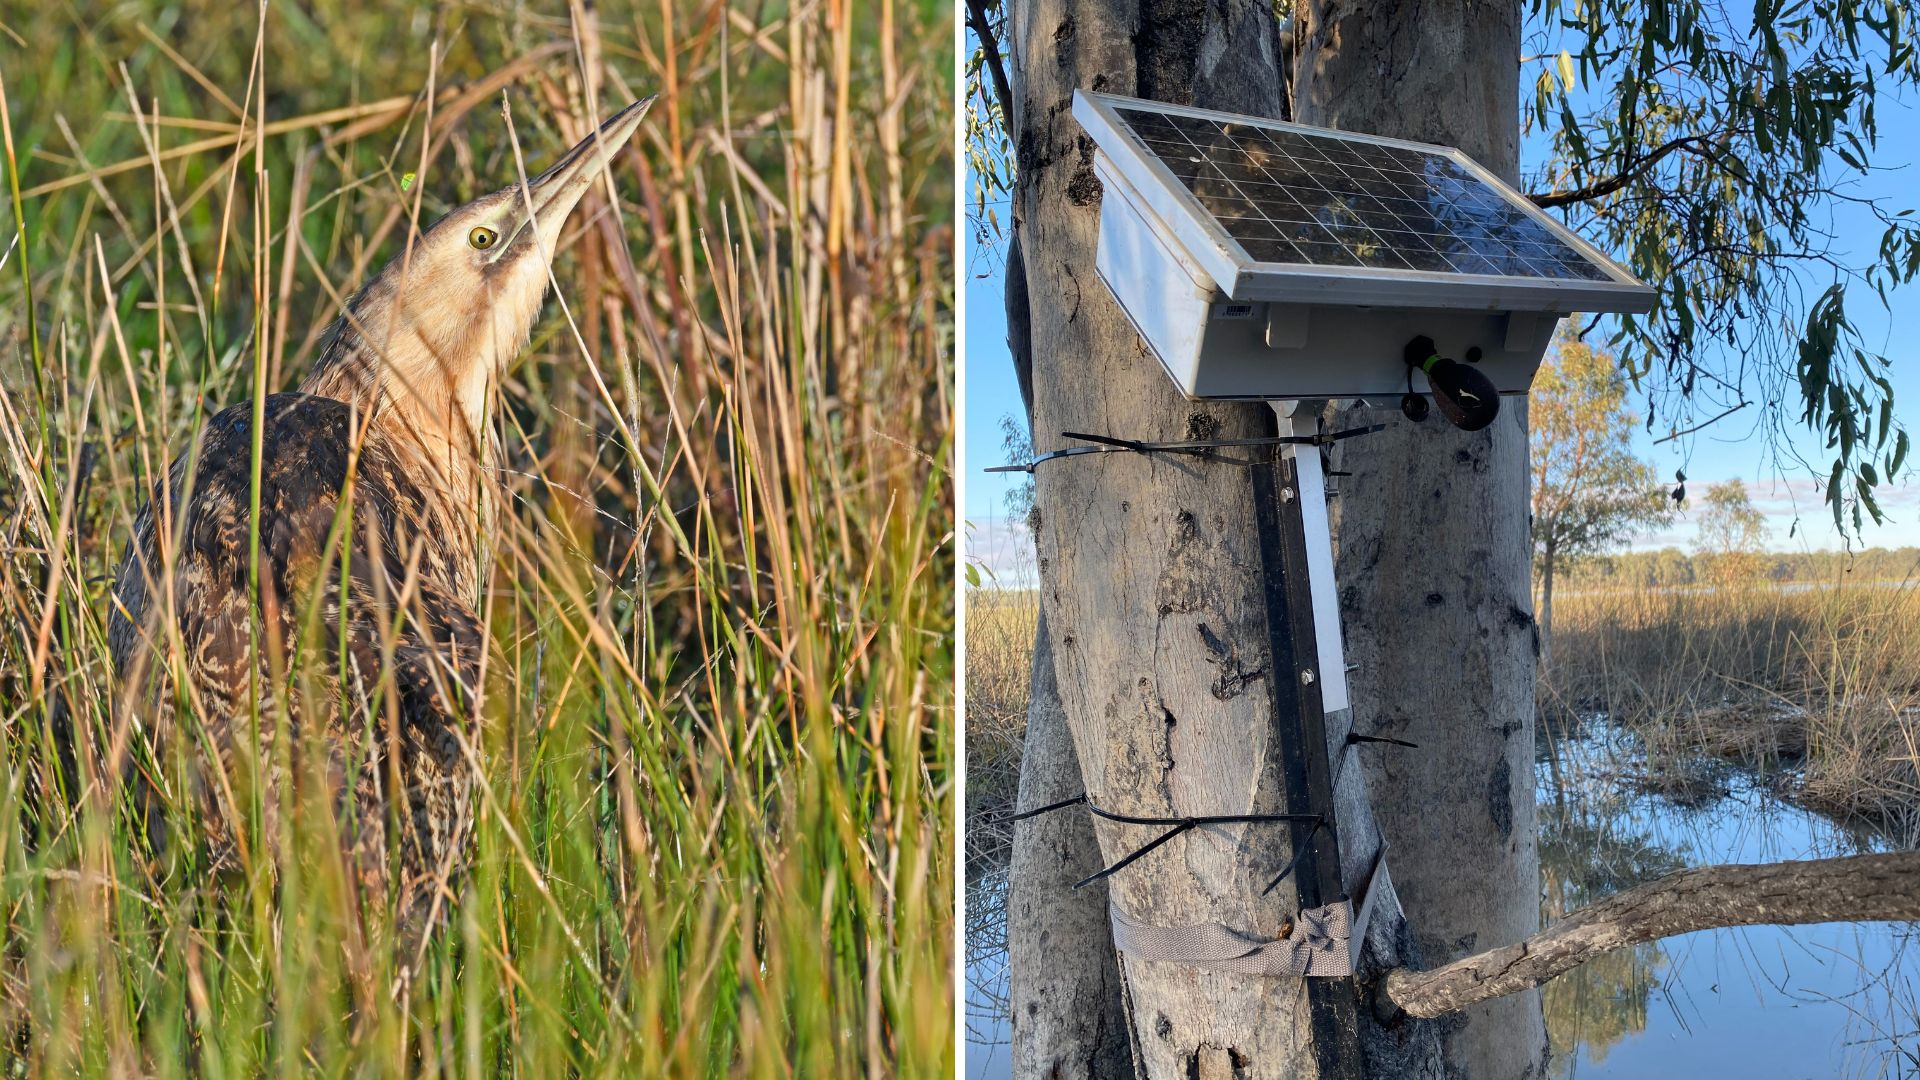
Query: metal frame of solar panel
[{"x": 1276, "y": 211}]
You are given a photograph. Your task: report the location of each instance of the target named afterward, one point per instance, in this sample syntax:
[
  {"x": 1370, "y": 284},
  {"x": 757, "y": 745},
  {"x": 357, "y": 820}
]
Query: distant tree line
[{"x": 1672, "y": 566}]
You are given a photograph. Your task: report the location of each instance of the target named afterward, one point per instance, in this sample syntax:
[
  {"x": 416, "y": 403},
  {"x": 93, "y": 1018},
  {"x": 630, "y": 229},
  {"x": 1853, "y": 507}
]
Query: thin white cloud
[{"x": 1798, "y": 517}]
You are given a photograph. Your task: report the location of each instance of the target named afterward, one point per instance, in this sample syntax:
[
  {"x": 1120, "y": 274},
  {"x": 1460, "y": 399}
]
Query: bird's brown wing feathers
[{"x": 391, "y": 705}]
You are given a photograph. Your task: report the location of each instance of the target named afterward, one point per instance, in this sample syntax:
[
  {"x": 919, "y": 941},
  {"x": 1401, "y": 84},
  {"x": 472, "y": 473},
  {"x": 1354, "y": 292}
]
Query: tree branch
[
  {"x": 1672, "y": 435},
  {"x": 990, "y": 51},
  {"x": 1854, "y": 888},
  {"x": 1602, "y": 188}
]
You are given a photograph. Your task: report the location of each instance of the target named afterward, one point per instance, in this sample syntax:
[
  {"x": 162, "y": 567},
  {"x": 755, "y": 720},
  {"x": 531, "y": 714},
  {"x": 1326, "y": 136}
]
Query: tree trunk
[
  {"x": 1064, "y": 989},
  {"x": 1154, "y": 581},
  {"x": 1068, "y": 1022},
  {"x": 1433, "y": 544}
]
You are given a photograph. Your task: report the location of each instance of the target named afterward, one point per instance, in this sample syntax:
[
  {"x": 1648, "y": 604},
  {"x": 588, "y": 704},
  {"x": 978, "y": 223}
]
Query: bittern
[{"x": 373, "y": 496}]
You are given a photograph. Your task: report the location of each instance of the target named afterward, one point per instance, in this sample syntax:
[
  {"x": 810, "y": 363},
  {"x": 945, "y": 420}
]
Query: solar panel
[
  {"x": 1277, "y": 200},
  {"x": 1318, "y": 199}
]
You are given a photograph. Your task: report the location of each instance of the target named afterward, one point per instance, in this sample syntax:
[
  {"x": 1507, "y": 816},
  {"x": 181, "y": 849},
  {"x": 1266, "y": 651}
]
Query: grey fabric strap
[{"x": 1318, "y": 946}]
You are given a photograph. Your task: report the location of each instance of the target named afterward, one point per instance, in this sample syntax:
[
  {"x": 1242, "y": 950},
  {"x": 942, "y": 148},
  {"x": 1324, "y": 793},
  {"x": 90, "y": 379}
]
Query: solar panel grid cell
[{"x": 1292, "y": 198}]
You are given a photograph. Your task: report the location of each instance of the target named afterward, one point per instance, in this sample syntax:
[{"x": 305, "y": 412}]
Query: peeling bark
[{"x": 1847, "y": 889}]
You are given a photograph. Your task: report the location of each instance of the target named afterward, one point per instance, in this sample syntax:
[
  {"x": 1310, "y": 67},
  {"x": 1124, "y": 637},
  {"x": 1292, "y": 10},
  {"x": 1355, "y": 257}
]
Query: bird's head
[{"x": 433, "y": 330}]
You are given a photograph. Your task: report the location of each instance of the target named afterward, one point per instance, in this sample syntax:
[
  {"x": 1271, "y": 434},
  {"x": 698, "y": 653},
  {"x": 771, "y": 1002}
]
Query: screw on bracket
[{"x": 1306, "y": 676}]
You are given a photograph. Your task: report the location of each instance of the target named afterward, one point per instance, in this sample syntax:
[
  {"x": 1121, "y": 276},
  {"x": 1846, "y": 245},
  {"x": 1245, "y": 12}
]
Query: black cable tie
[
  {"x": 1299, "y": 852},
  {"x": 1201, "y": 448},
  {"x": 1356, "y": 737},
  {"x": 1110, "y": 440},
  {"x": 1071, "y": 451},
  {"x": 1347, "y": 433},
  {"x": 1025, "y": 814},
  {"x": 1205, "y": 819},
  {"x": 1137, "y": 854},
  {"x": 1177, "y": 825},
  {"x": 1136, "y": 819}
]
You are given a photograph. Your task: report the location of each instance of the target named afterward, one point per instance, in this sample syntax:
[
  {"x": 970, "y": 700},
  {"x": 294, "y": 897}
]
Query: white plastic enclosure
[{"x": 1227, "y": 326}]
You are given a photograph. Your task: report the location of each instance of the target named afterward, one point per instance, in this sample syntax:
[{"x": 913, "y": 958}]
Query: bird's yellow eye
[{"x": 482, "y": 237}]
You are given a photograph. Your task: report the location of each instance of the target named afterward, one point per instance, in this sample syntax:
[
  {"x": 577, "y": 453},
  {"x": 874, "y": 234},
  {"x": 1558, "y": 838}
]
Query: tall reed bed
[
  {"x": 714, "y": 834},
  {"x": 1819, "y": 679},
  {"x": 1000, "y": 628}
]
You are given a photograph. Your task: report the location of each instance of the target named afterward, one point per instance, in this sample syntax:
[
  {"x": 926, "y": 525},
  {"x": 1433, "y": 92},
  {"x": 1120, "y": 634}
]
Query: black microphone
[{"x": 1466, "y": 397}]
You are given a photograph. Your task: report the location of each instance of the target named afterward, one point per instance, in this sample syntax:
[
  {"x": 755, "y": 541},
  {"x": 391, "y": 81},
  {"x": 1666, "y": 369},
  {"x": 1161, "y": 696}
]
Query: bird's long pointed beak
[{"x": 557, "y": 191}]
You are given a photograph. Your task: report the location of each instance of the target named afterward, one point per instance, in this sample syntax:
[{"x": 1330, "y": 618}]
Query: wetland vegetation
[{"x": 712, "y": 836}]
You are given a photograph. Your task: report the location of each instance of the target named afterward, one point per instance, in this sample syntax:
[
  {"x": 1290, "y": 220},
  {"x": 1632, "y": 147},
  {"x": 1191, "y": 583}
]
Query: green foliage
[
  {"x": 1729, "y": 522},
  {"x": 1711, "y": 152},
  {"x": 715, "y": 836},
  {"x": 1585, "y": 858},
  {"x": 1732, "y": 532},
  {"x": 990, "y": 156}
]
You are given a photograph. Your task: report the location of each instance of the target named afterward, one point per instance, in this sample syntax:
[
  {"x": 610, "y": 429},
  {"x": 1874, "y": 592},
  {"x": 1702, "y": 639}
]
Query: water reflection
[
  {"x": 1599, "y": 1003},
  {"x": 1838, "y": 1000},
  {"x": 989, "y": 1049},
  {"x": 1587, "y": 853}
]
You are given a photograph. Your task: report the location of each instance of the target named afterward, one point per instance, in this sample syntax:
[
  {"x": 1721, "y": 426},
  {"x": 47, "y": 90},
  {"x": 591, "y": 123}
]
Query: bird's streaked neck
[
  {"x": 446, "y": 427},
  {"x": 425, "y": 375}
]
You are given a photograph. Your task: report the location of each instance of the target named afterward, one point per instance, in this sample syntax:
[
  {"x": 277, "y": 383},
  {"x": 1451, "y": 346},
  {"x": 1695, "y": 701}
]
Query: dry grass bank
[
  {"x": 1819, "y": 684},
  {"x": 1000, "y": 624}
]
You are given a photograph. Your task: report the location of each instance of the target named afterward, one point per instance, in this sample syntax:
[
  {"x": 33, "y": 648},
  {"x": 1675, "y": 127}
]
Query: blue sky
[{"x": 1736, "y": 447}]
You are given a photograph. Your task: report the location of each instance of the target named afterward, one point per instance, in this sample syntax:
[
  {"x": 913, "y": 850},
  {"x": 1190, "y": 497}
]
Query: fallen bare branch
[{"x": 1854, "y": 888}]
